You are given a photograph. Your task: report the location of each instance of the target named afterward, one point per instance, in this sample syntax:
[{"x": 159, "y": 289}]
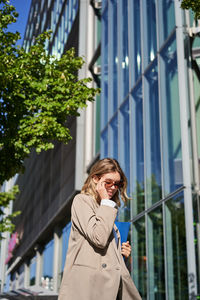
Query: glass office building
[
  {"x": 145, "y": 55},
  {"x": 146, "y": 124}
]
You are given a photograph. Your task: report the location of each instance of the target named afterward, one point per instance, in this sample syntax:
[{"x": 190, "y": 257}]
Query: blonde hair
[{"x": 101, "y": 167}]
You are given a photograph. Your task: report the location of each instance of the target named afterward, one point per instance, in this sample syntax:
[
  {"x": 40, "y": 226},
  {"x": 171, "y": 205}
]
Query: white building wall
[{"x": 85, "y": 134}]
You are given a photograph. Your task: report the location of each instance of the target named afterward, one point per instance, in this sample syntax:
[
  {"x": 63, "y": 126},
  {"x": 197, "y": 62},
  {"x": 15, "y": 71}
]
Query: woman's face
[{"x": 112, "y": 182}]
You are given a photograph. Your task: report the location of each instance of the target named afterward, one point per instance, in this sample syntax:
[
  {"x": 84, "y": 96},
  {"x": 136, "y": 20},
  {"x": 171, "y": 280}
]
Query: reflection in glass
[
  {"x": 196, "y": 199},
  {"x": 152, "y": 136},
  {"x": 97, "y": 133},
  {"x": 114, "y": 57},
  {"x": 125, "y": 55},
  {"x": 136, "y": 39},
  {"x": 139, "y": 261},
  {"x": 6, "y": 287},
  {"x": 166, "y": 19},
  {"x": 104, "y": 93},
  {"x": 66, "y": 20},
  {"x": 151, "y": 29},
  {"x": 113, "y": 142},
  {"x": 138, "y": 150},
  {"x": 156, "y": 267},
  {"x": 176, "y": 249},
  {"x": 125, "y": 154},
  {"x": 170, "y": 117},
  {"x": 104, "y": 143},
  {"x": 65, "y": 241},
  {"x": 196, "y": 82},
  {"x": 125, "y": 139}
]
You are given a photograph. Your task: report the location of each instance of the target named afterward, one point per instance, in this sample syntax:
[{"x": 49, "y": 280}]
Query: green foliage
[
  {"x": 37, "y": 94},
  {"x": 6, "y": 220},
  {"x": 192, "y": 4}
]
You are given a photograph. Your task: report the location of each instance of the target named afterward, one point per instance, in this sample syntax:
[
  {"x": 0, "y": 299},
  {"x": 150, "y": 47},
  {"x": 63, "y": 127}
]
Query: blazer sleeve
[{"x": 95, "y": 225}]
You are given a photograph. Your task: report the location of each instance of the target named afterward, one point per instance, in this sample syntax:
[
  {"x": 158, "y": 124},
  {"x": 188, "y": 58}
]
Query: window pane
[
  {"x": 197, "y": 101},
  {"x": 171, "y": 134},
  {"x": 150, "y": 30},
  {"x": 125, "y": 138},
  {"x": 166, "y": 19},
  {"x": 152, "y": 135},
  {"x": 156, "y": 267},
  {"x": 196, "y": 231},
  {"x": 32, "y": 271},
  {"x": 104, "y": 91},
  {"x": 114, "y": 58},
  {"x": 21, "y": 278},
  {"x": 113, "y": 142},
  {"x": 138, "y": 151},
  {"x": 97, "y": 125},
  {"x": 104, "y": 3},
  {"x": 176, "y": 249},
  {"x": 139, "y": 257},
  {"x": 65, "y": 241},
  {"x": 104, "y": 143},
  {"x": 136, "y": 39},
  {"x": 47, "y": 278},
  {"x": 6, "y": 287},
  {"x": 125, "y": 55},
  {"x": 124, "y": 152}
]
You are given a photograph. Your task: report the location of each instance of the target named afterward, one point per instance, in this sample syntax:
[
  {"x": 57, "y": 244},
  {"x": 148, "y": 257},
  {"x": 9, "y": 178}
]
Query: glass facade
[
  {"x": 141, "y": 127},
  {"x": 58, "y": 16}
]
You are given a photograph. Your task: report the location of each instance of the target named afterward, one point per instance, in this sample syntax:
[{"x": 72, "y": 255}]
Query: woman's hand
[
  {"x": 100, "y": 188},
  {"x": 126, "y": 249}
]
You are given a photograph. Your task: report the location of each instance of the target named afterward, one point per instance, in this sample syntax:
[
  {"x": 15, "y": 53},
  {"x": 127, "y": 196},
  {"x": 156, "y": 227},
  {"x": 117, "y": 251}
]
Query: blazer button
[{"x": 104, "y": 265}]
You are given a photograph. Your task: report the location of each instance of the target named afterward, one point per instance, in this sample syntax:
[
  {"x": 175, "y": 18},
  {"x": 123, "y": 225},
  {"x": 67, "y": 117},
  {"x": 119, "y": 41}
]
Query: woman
[{"x": 95, "y": 268}]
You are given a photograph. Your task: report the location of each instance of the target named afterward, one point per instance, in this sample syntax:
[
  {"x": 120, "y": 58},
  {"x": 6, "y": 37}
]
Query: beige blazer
[{"x": 94, "y": 264}]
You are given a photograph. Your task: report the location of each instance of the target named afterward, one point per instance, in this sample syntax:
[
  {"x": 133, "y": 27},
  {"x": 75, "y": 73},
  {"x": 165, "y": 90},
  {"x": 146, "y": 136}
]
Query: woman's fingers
[
  {"x": 100, "y": 187},
  {"x": 126, "y": 249}
]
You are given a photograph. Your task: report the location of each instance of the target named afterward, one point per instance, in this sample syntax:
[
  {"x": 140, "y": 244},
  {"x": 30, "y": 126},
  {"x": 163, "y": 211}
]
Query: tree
[
  {"x": 6, "y": 219},
  {"x": 192, "y": 4},
  {"x": 38, "y": 92}
]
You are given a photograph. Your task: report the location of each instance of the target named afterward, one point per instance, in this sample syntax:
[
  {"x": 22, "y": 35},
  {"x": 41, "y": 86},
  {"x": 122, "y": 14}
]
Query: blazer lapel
[{"x": 117, "y": 242}]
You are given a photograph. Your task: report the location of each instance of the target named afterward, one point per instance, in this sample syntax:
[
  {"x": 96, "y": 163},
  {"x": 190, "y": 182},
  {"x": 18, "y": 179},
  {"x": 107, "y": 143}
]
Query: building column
[
  {"x": 84, "y": 134},
  {"x": 26, "y": 274},
  {"x": 3, "y": 256},
  {"x": 57, "y": 258},
  {"x": 39, "y": 263}
]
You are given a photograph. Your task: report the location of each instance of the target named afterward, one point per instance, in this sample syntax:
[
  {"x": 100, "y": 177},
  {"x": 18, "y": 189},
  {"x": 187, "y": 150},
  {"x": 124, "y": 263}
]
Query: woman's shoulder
[{"x": 83, "y": 199}]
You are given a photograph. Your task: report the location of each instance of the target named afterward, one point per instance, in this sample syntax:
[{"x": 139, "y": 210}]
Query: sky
[{"x": 22, "y": 7}]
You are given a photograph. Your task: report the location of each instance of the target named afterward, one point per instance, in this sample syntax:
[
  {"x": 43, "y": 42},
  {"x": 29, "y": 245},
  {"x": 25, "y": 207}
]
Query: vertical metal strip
[
  {"x": 182, "y": 82},
  {"x": 143, "y": 21}
]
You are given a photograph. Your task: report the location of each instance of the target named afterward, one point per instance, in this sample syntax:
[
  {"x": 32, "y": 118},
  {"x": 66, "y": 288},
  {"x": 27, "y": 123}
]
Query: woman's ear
[{"x": 95, "y": 179}]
